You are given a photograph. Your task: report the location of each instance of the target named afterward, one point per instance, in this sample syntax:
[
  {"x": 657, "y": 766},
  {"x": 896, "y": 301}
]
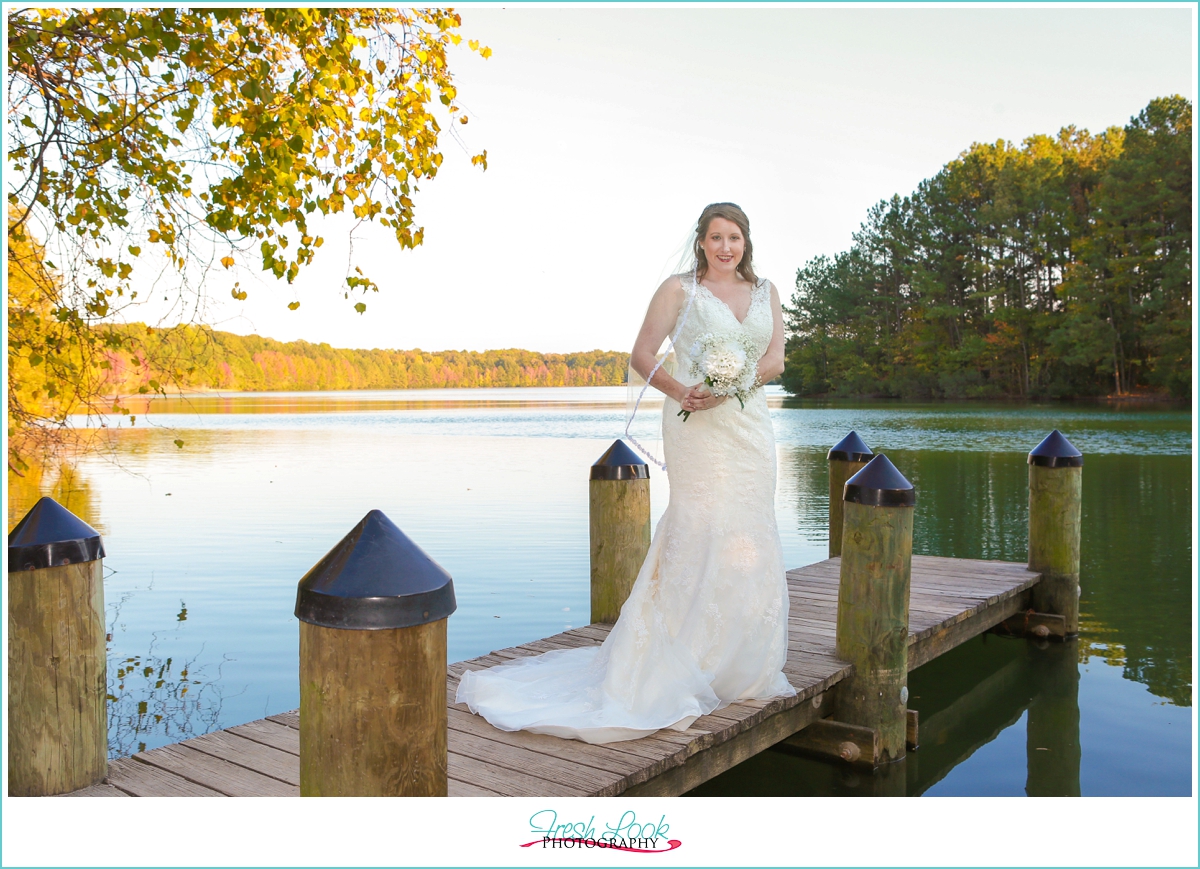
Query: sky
[{"x": 609, "y": 128}]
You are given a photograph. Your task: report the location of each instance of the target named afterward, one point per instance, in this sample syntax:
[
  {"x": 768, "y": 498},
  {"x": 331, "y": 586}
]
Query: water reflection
[
  {"x": 63, "y": 481},
  {"x": 356, "y": 401},
  {"x": 966, "y": 699},
  {"x": 153, "y": 698}
]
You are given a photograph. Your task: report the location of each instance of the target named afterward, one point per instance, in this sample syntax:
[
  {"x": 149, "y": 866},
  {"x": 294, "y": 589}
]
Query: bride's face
[{"x": 723, "y": 246}]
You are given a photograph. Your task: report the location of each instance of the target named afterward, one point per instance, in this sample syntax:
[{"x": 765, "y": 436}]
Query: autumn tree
[{"x": 155, "y": 144}]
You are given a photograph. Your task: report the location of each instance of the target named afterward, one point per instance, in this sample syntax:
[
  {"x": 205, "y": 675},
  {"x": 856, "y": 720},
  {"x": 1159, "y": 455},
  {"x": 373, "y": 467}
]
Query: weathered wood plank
[
  {"x": 253, "y": 756},
  {"x": 140, "y": 780},
  {"x": 598, "y": 756},
  {"x": 457, "y": 788},
  {"x": 716, "y": 759},
  {"x": 288, "y": 719},
  {"x": 507, "y": 782},
  {"x": 588, "y": 779},
  {"x": 212, "y": 772},
  {"x": 937, "y": 641},
  {"x": 271, "y": 733},
  {"x": 100, "y": 790}
]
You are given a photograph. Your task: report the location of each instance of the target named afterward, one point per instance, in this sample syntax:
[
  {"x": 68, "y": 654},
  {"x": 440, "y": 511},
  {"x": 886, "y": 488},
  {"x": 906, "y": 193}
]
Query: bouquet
[{"x": 728, "y": 366}]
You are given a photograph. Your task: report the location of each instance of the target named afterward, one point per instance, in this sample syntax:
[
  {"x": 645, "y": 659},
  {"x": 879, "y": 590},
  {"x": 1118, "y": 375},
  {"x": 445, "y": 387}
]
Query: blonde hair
[{"x": 734, "y": 214}]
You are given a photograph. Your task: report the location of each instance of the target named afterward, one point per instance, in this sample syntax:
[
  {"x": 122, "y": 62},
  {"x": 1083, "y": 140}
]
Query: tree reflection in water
[{"x": 155, "y": 700}]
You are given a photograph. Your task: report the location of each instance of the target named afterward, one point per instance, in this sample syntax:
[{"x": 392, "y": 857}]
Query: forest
[
  {"x": 1060, "y": 268},
  {"x": 209, "y": 360}
]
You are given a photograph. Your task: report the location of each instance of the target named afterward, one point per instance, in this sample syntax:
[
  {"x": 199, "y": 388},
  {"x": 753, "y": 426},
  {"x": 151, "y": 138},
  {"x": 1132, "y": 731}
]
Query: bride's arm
[
  {"x": 664, "y": 311},
  {"x": 771, "y": 364}
]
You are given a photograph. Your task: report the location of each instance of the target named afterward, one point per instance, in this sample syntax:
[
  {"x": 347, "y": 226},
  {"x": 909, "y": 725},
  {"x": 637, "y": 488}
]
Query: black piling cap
[
  {"x": 850, "y": 449},
  {"x": 1055, "y": 451},
  {"x": 879, "y": 484},
  {"x": 619, "y": 462},
  {"x": 51, "y": 535},
  {"x": 375, "y": 579}
]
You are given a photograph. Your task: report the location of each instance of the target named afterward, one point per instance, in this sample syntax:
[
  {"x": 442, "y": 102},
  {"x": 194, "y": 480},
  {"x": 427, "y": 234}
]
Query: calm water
[{"x": 206, "y": 544}]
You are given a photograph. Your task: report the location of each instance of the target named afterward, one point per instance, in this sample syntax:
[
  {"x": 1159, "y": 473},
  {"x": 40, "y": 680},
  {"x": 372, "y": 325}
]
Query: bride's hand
[{"x": 699, "y": 398}]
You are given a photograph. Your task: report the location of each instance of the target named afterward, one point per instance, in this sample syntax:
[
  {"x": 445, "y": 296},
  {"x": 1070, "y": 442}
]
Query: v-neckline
[{"x": 725, "y": 304}]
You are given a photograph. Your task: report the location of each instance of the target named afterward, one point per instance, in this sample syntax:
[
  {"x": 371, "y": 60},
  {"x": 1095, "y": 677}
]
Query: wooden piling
[
  {"x": 57, "y": 661},
  {"x": 378, "y": 695},
  {"x": 373, "y": 716},
  {"x": 1055, "y": 489},
  {"x": 846, "y": 458},
  {"x": 873, "y": 595},
  {"x": 619, "y": 522}
]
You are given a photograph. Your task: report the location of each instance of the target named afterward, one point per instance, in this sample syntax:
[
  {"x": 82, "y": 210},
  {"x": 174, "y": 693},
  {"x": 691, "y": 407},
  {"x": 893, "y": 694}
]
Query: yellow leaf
[
  {"x": 293, "y": 306},
  {"x": 227, "y": 261}
]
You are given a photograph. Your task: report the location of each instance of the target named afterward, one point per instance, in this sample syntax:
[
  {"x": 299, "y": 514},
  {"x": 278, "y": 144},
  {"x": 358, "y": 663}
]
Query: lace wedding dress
[{"x": 706, "y": 622}]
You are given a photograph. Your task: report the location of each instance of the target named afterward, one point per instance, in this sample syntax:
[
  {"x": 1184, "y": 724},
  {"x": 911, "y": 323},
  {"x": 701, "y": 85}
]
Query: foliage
[
  {"x": 1059, "y": 268},
  {"x": 223, "y": 361},
  {"x": 194, "y": 139},
  {"x": 49, "y": 368}
]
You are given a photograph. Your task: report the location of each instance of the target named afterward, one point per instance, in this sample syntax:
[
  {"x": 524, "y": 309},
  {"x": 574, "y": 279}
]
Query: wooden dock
[{"x": 951, "y": 601}]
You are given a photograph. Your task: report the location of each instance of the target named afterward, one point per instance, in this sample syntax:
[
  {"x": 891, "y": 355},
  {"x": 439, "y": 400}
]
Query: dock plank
[
  {"x": 271, "y": 733},
  {"x": 251, "y": 755},
  {"x": 213, "y": 772},
  {"x": 100, "y": 790},
  {"x": 140, "y": 780}
]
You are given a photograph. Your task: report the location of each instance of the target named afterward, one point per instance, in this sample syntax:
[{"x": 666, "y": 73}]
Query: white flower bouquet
[{"x": 728, "y": 366}]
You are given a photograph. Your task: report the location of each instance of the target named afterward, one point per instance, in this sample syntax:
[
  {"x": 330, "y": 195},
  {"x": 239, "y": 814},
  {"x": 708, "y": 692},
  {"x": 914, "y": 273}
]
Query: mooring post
[
  {"x": 57, "y": 662},
  {"x": 373, "y": 667},
  {"x": 846, "y": 458},
  {"x": 619, "y": 511},
  {"x": 872, "y": 618},
  {"x": 1055, "y": 489}
]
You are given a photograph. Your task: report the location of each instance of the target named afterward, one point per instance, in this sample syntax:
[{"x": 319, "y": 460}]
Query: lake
[{"x": 206, "y": 544}]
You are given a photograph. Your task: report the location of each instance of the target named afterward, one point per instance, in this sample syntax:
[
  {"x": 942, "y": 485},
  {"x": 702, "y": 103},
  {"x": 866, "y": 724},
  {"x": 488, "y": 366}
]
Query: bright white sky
[{"x": 608, "y": 129}]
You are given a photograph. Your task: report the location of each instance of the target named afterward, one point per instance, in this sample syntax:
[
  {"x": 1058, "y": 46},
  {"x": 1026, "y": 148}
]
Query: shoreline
[{"x": 787, "y": 396}]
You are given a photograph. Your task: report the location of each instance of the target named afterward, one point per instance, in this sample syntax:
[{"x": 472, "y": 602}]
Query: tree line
[
  {"x": 211, "y": 360},
  {"x": 1059, "y": 268}
]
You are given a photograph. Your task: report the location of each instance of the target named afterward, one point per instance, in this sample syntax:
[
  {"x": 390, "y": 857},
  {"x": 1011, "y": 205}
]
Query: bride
[{"x": 705, "y": 624}]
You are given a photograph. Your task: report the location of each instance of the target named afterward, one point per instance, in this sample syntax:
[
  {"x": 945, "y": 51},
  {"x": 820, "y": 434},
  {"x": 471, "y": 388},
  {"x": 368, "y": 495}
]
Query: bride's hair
[{"x": 732, "y": 213}]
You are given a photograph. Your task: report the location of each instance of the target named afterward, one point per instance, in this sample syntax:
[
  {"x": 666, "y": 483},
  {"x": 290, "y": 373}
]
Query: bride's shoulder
[{"x": 674, "y": 287}]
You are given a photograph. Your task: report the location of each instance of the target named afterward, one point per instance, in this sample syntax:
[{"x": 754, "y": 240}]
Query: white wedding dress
[{"x": 705, "y": 624}]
